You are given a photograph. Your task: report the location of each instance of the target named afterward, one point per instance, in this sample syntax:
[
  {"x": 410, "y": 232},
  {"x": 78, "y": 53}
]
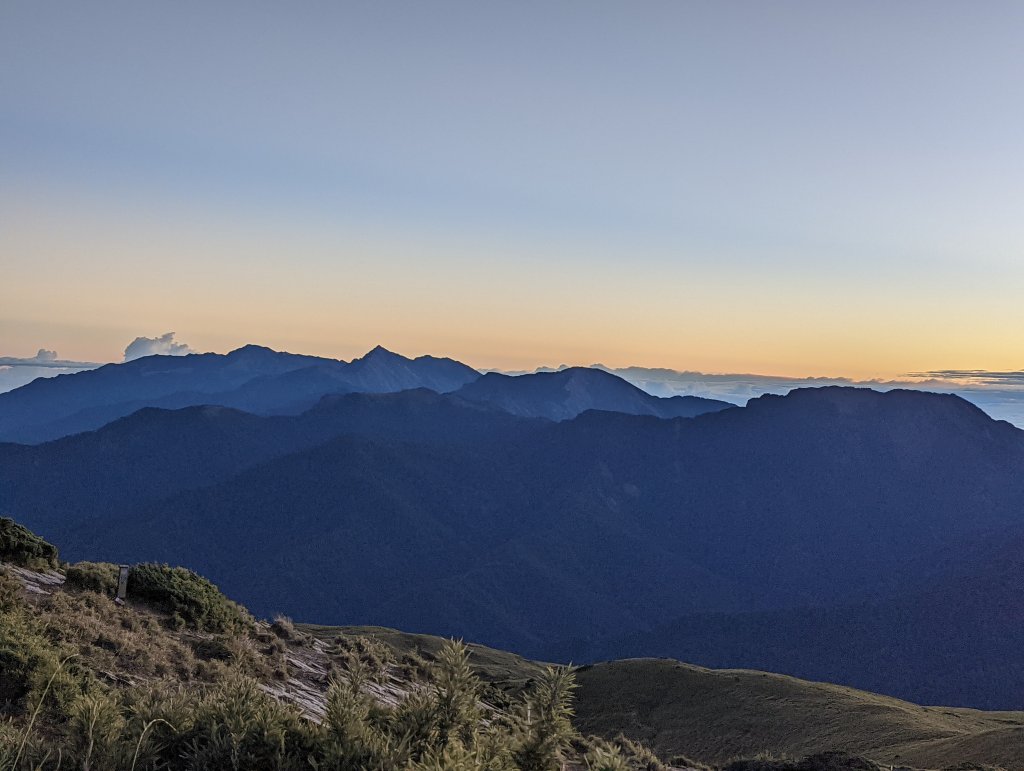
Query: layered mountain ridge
[
  {"x": 259, "y": 380},
  {"x": 601, "y": 533}
]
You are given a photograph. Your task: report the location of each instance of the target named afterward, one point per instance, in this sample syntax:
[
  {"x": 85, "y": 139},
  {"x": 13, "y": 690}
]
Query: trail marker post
[{"x": 122, "y": 584}]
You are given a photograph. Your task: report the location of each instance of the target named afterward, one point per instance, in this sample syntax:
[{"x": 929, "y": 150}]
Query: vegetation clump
[
  {"x": 190, "y": 599},
  {"x": 824, "y": 761},
  {"x": 92, "y": 576},
  {"x": 20, "y": 546},
  {"x": 235, "y": 724}
]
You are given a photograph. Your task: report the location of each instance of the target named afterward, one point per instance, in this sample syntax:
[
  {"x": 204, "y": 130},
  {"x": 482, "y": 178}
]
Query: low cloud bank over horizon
[
  {"x": 1000, "y": 394},
  {"x": 47, "y": 360},
  {"x": 18, "y": 371}
]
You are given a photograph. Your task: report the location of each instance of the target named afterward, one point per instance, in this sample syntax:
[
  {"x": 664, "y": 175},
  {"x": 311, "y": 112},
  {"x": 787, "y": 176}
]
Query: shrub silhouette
[{"x": 180, "y": 592}]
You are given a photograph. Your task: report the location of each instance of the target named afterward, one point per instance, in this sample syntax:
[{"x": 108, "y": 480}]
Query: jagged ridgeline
[{"x": 177, "y": 676}]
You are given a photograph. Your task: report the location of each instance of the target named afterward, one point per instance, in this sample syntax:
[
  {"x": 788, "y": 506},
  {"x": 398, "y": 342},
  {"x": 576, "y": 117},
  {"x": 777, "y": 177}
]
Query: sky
[{"x": 792, "y": 188}]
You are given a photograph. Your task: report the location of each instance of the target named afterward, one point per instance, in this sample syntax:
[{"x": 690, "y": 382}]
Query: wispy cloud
[
  {"x": 1000, "y": 394},
  {"x": 47, "y": 360},
  {"x": 164, "y": 345},
  {"x": 976, "y": 377},
  {"x": 17, "y": 371}
]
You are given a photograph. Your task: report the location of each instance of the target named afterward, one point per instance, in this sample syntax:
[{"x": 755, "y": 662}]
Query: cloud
[
  {"x": 976, "y": 377},
  {"x": 164, "y": 345},
  {"x": 1000, "y": 394},
  {"x": 47, "y": 360},
  {"x": 17, "y": 371}
]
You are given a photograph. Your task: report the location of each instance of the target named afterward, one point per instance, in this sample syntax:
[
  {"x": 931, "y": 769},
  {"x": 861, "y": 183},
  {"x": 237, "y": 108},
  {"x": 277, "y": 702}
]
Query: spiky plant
[
  {"x": 457, "y": 691},
  {"x": 545, "y": 716}
]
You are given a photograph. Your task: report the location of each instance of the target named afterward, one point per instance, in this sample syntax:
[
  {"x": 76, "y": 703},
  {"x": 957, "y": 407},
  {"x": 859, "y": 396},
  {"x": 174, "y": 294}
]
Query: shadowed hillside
[{"x": 426, "y": 512}]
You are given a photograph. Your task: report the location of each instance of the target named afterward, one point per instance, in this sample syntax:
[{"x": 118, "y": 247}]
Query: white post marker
[{"x": 122, "y": 584}]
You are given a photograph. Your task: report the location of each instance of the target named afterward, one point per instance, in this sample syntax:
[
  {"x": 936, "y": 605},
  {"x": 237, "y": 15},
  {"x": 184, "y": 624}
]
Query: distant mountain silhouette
[
  {"x": 252, "y": 378},
  {"x": 266, "y": 382},
  {"x": 568, "y": 392},
  {"x": 431, "y": 512}
]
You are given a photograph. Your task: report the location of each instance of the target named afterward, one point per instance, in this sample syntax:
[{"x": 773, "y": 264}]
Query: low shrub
[
  {"x": 182, "y": 593},
  {"x": 824, "y": 761},
  {"x": 213, "y": 648},
  {"x": 93, "y": 576},
  {"x": 22, "y": 547},
  {"x": 284, "y": 628}
]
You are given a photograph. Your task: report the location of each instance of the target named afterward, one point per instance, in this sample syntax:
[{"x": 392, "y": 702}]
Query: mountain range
[
  {"x": 865, "y": 537},
  {"x": 265, "y": 382}
]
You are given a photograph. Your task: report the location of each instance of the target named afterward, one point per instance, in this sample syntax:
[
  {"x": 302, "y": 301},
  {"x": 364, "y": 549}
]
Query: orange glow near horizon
[{"x": 78, "y": 285}]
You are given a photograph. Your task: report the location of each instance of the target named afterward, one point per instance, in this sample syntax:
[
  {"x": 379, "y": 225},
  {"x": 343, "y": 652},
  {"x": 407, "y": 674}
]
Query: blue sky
[{"x": 791, "y": 188}]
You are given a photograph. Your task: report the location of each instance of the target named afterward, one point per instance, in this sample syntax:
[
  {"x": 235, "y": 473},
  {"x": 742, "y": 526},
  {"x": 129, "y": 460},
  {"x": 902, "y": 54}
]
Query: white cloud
[{"x": 164, "y": 345}]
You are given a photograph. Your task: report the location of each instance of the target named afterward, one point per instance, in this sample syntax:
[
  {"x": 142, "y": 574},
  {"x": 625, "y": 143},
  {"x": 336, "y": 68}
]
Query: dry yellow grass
[
  {"x": 491, "y": 664},
  {"x": 716, "y": 715}
]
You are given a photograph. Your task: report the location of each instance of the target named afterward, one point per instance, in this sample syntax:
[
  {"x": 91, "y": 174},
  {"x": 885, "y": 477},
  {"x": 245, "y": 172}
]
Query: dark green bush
[
  {"x": 93, "y": 576},
  {"x": 21, "y": 546},
  {"x": 182, "y": 593},
  {"x": 212, "y": 649}
]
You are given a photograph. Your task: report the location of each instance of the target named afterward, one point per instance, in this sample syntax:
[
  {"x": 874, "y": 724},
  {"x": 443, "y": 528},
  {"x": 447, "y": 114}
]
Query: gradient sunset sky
[{"x": 794, "y": 188}]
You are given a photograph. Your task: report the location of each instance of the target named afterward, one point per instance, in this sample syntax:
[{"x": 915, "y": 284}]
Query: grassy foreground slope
[
  {"x": 181, "y": 678},
  {"x": 715, "y": 716}
]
